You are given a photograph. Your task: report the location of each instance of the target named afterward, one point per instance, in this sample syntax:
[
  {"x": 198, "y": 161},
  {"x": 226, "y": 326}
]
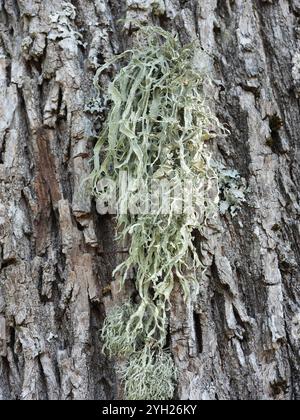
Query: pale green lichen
[
  {"x": 116, "y": 341},
  {"x": 158, "y": 128},
  {"x": 233, "y": 190},
  {"x": 61, "y": 23},
  {"x": 149, "y": 375}
]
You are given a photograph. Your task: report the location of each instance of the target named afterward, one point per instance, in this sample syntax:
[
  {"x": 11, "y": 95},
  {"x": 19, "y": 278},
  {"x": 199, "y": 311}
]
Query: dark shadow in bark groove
[{"x": 198, "y": 333}]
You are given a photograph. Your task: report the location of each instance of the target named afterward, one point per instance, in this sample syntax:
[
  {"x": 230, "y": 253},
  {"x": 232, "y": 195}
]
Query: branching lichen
[
  {"x": 157, "y": 129},
  {"x": 149, "y": 375},
  {"x": 117, "y": 342}
]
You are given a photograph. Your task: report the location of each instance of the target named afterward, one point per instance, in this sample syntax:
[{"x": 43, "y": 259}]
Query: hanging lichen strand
[{"x": 157, "y": 129}]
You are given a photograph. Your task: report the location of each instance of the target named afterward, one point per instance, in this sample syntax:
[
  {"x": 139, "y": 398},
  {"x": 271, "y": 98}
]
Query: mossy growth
[
  {"x": 158, "y": 128},
  {"x": 149, "y": 375},
  {"x": 117, "y": 342}
]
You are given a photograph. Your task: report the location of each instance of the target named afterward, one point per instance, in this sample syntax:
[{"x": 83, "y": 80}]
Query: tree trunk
[{"x": 239, "y": 338}]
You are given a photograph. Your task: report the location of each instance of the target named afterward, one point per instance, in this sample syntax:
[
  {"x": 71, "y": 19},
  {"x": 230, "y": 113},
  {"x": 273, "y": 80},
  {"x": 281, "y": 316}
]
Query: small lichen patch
[
  {"x": 233, "y": 190},
  {"x": 61, "y": 24},
  {"x": 296, "y": 72},
  {"x": 156, "y": 6}
]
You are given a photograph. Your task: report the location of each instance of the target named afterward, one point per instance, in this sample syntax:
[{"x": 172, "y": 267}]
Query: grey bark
[{"x": 239, "y": 337}]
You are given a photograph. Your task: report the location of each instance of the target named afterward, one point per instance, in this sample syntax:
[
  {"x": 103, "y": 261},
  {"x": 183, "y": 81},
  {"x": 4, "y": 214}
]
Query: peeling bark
[{"x": 239, "y": 337}]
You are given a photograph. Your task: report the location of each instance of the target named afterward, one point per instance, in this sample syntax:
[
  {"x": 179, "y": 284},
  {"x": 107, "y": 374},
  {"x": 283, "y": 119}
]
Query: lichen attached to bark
[{"x": 158, "y": 128}]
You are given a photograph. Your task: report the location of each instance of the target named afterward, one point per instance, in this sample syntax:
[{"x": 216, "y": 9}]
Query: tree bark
[{"x": 239, "y": 337}]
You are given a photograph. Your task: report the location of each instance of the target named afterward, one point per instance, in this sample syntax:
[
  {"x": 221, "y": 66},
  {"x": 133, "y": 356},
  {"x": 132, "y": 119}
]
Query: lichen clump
[
  {"x": 149, "y": 375},
  {"x": 158, "y": 129}
]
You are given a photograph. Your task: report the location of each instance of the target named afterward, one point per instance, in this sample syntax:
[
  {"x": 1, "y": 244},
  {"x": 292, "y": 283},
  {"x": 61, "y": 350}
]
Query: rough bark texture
[{"x": 239, "y": 338}]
